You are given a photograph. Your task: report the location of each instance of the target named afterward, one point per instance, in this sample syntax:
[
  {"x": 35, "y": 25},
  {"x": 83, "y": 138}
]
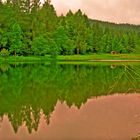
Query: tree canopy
[{"x": 31, "y": 28}]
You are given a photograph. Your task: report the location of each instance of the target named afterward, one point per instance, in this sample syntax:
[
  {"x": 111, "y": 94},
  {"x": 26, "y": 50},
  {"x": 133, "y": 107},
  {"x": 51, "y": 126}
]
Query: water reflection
[
  {"x": 28, "y": 90},
  {"x": 114, "y": 117}
]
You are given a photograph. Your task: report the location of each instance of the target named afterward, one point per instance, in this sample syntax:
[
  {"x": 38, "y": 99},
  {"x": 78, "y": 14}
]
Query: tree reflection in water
[{"x": 28, "y": 89}]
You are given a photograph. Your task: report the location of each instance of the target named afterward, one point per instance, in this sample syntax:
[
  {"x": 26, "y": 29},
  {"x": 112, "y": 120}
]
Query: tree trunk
[
  {"x": 15, "y": 53},
  {"x": 78, "y": 51}
]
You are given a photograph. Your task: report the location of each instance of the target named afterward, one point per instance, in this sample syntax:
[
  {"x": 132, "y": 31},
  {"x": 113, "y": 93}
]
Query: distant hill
[{"x": 122, "y": 26}]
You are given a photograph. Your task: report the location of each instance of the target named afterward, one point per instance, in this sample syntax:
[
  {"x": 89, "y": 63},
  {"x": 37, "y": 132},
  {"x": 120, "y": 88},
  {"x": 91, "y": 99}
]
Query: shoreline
[
  {"x": 75, "y": 58},
  {"x": 114, "y": 60}
]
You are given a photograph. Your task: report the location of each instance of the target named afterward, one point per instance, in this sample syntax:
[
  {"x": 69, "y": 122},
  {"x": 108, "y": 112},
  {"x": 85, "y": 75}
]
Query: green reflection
[{"x": 28, "y": 89}]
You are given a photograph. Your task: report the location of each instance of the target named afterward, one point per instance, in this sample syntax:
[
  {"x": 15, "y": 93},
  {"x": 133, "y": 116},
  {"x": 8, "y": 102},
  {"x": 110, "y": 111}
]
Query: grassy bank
[
  {"x": 97, "y": 57},
  {"x": 93, "y": 57}
]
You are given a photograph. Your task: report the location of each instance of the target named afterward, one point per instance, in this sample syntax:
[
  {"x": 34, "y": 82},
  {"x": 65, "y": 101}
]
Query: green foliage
[
  {"x": 40, "y": 46},
  {"x": 15, "y": 39},
  {"x": 61, "y": 38},
  {"x": 54, "y": 50},
  {"x": 4, "y": 53},
  {"x": 29, "y": 28}
]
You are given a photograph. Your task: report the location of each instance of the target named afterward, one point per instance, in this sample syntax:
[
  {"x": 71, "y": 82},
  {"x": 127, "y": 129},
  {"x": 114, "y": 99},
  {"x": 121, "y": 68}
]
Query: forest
[{"x": 28, "y": 27}]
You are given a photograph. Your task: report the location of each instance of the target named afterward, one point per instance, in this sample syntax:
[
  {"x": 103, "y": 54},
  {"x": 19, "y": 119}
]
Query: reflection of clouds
[
  {"x": 99, "y": 118},
  {"x": 108, "y": 10},
  {"x": 1, "y": 119}
]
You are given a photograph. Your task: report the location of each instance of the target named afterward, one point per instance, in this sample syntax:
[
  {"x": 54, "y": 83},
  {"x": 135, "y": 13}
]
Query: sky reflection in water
[{"x": 64, "y": 97}]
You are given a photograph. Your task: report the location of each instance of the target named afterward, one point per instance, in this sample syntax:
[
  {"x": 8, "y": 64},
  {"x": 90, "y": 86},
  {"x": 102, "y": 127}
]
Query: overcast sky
[{"x": 119, "y": 11}]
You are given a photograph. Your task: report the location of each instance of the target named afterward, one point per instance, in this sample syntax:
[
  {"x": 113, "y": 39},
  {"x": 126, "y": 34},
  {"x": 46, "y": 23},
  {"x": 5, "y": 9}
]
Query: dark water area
[{"x": 69, "y": 101}]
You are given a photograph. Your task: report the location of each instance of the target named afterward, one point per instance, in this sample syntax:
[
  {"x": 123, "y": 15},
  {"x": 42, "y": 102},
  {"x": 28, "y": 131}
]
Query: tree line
[{"x": 28, "y": 27}]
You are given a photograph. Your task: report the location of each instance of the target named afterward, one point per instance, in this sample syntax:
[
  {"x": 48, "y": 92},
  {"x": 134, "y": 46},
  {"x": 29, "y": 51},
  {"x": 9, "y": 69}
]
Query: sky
[{"x": 118, "y": 11}]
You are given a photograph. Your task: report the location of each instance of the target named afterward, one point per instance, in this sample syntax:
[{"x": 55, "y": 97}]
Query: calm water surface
[{"x": 69, "y": 101}]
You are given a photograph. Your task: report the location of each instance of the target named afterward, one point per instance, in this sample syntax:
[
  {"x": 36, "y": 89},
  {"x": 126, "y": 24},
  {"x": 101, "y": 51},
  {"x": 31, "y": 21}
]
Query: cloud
[{"x": 119, "y": 11}]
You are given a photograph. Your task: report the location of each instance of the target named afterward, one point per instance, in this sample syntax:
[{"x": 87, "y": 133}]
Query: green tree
[
  {"x": 16, "y": 39},
  {"x": 61, "y": 39},
  {"x": 40, "y": 46}
]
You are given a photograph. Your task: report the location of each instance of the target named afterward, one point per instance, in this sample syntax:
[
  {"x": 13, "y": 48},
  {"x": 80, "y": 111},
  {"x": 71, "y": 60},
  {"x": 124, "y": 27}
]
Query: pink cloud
[{"x": 120, "y": 11}]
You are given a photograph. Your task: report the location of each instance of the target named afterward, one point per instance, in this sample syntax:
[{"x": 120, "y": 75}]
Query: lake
[{"x": 69, "y": 101}]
